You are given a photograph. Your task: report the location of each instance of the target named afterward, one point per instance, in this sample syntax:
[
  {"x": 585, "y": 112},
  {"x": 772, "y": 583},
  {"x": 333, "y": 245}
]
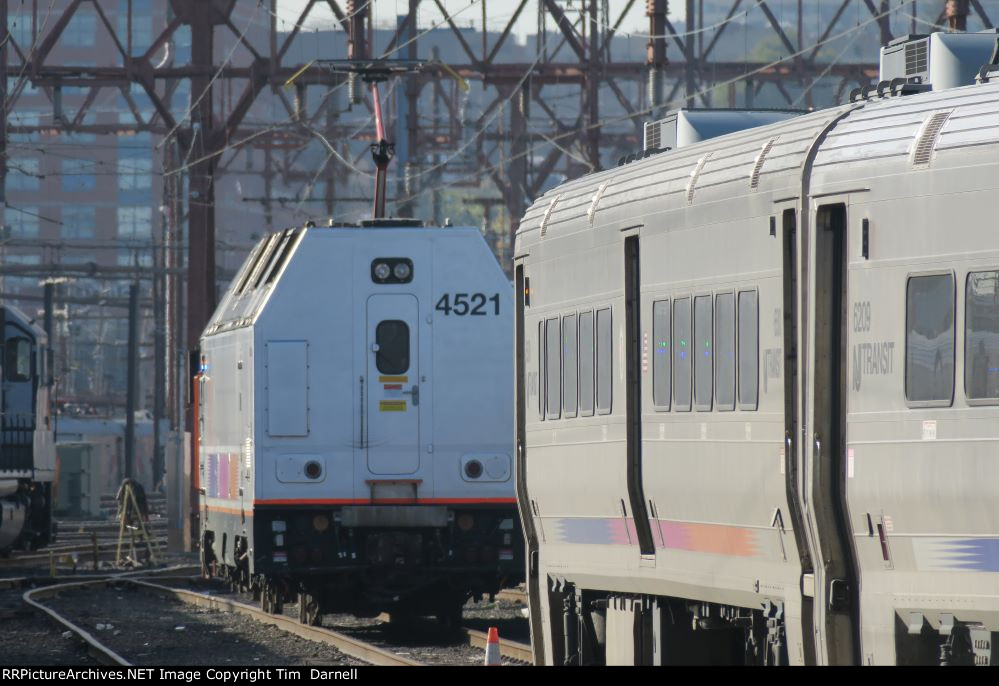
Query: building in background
[{"x": 97, "y": 185}]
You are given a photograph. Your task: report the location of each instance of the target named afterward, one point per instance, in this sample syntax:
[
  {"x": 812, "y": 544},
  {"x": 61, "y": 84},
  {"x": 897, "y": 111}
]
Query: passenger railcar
[
  {"x": 763, "y": 427},
  {"x": 27, "y": 446},
  {"x": 354, "y": 411}
]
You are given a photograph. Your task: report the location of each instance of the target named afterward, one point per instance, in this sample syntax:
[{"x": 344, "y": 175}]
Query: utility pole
[
  {"x": 957, "y": 12},
  {"x": 201, "y": 144},
  {"x": 3, "y": 118},
  {"x": 690, "y": 66},
  {"x": 133, "y": 365},
  {"x": 656, "y": 53}
]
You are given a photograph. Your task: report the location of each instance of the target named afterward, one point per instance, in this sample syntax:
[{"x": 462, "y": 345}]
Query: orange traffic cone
[{"x": 493, "y": 648}]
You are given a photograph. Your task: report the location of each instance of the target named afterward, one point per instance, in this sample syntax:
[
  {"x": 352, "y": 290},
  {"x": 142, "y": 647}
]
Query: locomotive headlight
[
  {"x": 313, "y": 469},
  {"x": 383, "y": 271},
  {"x": 402, "y": 271},
  {"x": 320, "y": 523},
  {"x": 473, "y": 469}
]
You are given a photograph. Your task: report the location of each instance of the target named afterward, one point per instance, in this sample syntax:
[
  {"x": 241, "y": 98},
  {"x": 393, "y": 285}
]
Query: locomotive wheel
[
  {"x": 271, "y": 599},
  {"x": 308, "y": 610},
  {"x": 450, "y": 615}
]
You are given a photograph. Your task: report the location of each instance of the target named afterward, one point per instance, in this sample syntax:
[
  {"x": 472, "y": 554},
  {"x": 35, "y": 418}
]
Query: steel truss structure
[{"x": 517, "y": 140}]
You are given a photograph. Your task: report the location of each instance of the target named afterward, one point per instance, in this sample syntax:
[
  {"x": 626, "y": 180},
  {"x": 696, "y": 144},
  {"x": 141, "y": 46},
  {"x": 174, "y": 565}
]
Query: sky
[{"x": 498, "y": 13}]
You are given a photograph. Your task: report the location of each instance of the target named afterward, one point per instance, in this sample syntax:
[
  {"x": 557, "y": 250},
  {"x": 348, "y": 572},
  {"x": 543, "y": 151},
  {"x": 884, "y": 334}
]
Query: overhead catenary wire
[{"x": 628, "y": 117}]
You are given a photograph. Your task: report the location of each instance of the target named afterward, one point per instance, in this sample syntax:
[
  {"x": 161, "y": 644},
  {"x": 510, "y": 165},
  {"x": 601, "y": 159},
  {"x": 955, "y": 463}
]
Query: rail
[{"x": 104, "y": 655}]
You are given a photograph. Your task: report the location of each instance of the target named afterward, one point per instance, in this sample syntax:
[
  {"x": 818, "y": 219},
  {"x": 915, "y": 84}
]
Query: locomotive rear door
[{"x": 392, "y": 404}]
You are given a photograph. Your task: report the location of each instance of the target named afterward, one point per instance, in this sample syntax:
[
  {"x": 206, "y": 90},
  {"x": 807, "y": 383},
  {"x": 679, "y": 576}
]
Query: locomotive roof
[{"x": 247, "y": 294}]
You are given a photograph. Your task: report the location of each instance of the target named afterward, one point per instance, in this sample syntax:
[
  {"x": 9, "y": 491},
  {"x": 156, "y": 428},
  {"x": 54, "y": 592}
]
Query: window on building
[
  {"x": 142, "y": 28},
  {"x": 135, "y": 257},
  {"x": 17, "y": 284},
  {"x": 23, "y": 174},
  {"x": 662, "y": 367},
  {"x": 81, "y": 30},
  {"x": 586, "y": 354},
  {"x": 704, "y": 352},
  {"x": 19, "y": 25},
  {"x": 22, "y": 118},
  {"x": 981, "y": 335},
  {"x": 135, "y": 173},
  {"x": 725, "y": 351},
  {"x": 392, "y": 337},
  {"x": 929, "y": 341},
  {"x": 553, "y": 366},
  {"x": 749, "y": 350},
  {"x": 23, "y": 221},
  {"x": 135, "y": 223},
  {"x": 569, "y": 368},
  {"x": 79, "y": 222},
  {"x": 681, "y": 354},
  {"x": 78, "y": 176},
  {"x": 78, "y": 258},
  {"x": 605, "y": 361}
]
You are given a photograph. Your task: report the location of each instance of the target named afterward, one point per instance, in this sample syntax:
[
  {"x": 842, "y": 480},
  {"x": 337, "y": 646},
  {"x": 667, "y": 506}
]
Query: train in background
[
  {"x": 353, "y": 408},
  {"x": 763, "y": 428},
  {"x": 27, "y": 446}
]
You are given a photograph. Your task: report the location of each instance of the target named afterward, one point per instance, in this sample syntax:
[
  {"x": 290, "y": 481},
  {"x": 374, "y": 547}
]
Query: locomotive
[
  {"x": 354, "y": 408},
  {"x": 27, "y": 445},
  {"x": 762, "y": 429}
]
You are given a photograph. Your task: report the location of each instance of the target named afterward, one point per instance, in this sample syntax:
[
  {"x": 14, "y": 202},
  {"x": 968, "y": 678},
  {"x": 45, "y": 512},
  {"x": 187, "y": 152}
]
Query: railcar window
[
  {"x": 605, "y": 361},
  {"x": 662, "y": 367},
  {"x": 586, "y": 364},
  {"x": 541, "y": 369},
  {"x": 17, "y": 362},
  {"x": 749, "y": 350},
  {"x": 704, "y": 352},
  {"x": 569, "y": 368},
  {"x": 929, "y": 340},
  {"x": 981, "y": 335},
  {"x": 681, "y": 354},
  {"x": 392, "y": 337},
  {"x": 725, "y": 346},
  {"x": 553, "y": 367}
]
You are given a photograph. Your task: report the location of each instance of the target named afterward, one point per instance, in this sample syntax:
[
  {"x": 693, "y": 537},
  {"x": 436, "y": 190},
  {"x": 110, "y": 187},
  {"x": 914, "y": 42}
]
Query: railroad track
[
  {"x": 76, "y": 555},
  {"x": 347, "y": 645},
  {"x": 510, "y": 649}
]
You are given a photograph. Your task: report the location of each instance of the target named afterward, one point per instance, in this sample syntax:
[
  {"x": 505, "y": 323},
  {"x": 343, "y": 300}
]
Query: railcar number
[
  {"x": 862, "y": 316},
  {"x": 474, "y": 304}
]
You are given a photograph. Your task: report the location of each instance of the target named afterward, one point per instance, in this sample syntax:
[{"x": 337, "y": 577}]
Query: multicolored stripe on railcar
[{"x": 717, "y": 539}]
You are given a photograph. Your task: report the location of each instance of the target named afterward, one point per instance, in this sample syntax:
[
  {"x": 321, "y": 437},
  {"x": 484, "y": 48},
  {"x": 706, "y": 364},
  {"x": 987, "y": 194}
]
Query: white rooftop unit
[
  {"x": 939, "y": 60},
  {"x": 685, "y": 127}
]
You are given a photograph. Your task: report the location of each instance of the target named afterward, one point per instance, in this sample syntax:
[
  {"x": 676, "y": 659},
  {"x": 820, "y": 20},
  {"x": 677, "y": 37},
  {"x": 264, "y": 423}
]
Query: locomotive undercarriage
[
  {"x": 368, "y": 571},
  {"x": 603, "y": 628},
  {"x": 26, "y": 516}
]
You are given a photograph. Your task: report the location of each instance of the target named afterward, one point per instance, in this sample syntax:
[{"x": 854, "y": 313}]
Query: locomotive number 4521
[{"x": 474, "y": 304}]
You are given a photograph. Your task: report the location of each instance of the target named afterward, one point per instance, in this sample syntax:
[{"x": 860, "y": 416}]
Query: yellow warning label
[
  {"x": 392, "y": 406},
  {"x": 393, "y": 379}
]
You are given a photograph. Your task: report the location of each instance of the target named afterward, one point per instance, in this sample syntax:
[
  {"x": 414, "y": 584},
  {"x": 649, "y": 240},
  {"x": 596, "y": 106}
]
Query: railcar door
[
  {"x": 835, "y": 580},
  {"x": 392, "y": 404}
]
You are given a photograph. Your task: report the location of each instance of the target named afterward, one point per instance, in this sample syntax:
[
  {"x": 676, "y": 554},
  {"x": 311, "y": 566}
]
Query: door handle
[{"x": 415, "y": 392}]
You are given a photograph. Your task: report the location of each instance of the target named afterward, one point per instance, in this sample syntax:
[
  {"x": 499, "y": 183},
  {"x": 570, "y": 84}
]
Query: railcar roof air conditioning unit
[
  {"x": 939, "y": 60},
  {"x": 685, "y": 127}
]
